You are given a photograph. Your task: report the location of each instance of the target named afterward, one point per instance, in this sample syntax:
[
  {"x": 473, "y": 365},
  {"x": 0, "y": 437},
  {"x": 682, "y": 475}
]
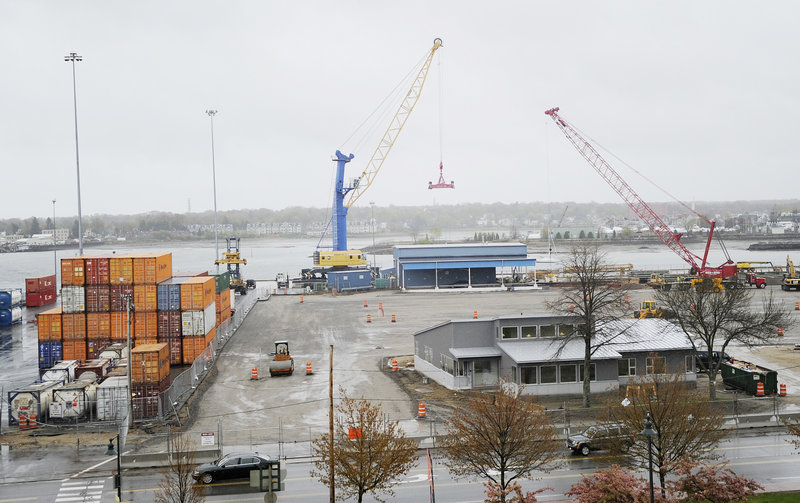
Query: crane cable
[
  {"x": 441, "y": 108},
  {"x": 384, "y": 104}
]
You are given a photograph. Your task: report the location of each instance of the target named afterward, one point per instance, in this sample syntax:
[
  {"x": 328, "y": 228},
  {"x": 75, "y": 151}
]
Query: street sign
[{"x": 207, "y": 438}]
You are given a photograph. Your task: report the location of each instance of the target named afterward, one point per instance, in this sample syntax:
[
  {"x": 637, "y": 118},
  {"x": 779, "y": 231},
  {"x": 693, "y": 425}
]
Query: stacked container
[
  {"x": 149, "y": 364},
  {"x": 10, "y": 310},
  {"x": 40, "y": 291},
  {"x": 112, "y": 399},
  {"x": 222, "y": 300},
  {"x": 49, "y": 326},
  {"x": 198, "y": 316}
]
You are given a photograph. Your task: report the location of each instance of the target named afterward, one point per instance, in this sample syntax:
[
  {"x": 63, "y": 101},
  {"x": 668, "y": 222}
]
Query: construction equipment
[
  {"x": 233, "y": 260},
  {"x": 757, "y": 281},
  {"x": 442, "y": 184},
  {"x": 790, "y": 279},
  {"x": 698, "y": 265},
  {"x": 340, "y": 255},
  {"x": 282, "y": 362},
  {"x": 648, "y": 309}
]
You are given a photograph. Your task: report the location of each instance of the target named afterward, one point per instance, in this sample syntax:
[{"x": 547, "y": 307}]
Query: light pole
[
  {"x": 73, "y": 57},
  {"x": 649, "y": 433},
  {"x": 372, "y": 221},
  {"x": 55, "y": 252},
  {"x": 118, "y": 477},
  {"x": 211, "y": 113}
]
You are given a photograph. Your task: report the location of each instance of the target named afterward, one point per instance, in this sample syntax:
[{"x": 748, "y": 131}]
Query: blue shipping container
[
  {"x": 10, "y": 298},
  {"x": 169, "y": 294},
  {"x": 49, "y": 354}
]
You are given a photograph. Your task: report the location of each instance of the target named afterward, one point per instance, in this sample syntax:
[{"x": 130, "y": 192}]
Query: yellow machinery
[
  {"x": 790, "y": 279},
  {"x": 339, "y": 258},
  {"x": 232, "y": 259},
  {"x": 713, "y": 284},
  {"x": 648, "y": 309},
  {"x": 282, "y": 362}
]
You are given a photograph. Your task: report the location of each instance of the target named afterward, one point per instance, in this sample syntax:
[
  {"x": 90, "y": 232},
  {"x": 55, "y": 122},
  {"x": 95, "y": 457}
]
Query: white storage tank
[
  {"x": 61, "y": 371},
  {"x": 112, "y": 399},
  {"x": 36, "y": 396},
  {"x": 115, "y": 352},
  {"x": 74, "y": 400}
]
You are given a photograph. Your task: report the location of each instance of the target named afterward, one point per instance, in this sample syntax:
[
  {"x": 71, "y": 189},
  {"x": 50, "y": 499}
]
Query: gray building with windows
[{"x": 529, "y": 351}]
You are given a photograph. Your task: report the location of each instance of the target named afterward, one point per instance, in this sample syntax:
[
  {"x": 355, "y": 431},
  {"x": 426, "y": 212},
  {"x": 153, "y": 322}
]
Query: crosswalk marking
[{"x": 80, "y": 491}]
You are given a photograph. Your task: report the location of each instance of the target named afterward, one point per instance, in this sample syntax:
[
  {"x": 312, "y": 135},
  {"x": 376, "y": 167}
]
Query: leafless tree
[
  {"x": 598, "y": 297},
  {"x": 794, "y": 429},
  {"x": 712, "y": 320},
  {"x": 500, "y": 436},
  {"x": 685, "y": 422},
  {"x": 370, "y": 452},
  {"x": 176, "y": 484}
]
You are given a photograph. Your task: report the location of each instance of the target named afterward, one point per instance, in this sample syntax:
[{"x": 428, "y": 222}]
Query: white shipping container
[
  {"x": 115, "y": 351},
  {"x": 61, "y": 371},
  {"x": 73, "y": 400},
  {"x": 112, "y": 399},
  {"x": 73, "y": 299},
  {"x": 36, "y": 397},
  {"x": 195, "y": 323}
]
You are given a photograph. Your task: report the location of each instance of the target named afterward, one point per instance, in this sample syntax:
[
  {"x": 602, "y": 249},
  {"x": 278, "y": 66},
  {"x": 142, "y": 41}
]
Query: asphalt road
[{"x": 765, "y": 456}]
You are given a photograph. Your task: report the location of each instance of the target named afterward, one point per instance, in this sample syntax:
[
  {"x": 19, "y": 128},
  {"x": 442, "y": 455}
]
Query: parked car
[
  {"x": 701, "y": 358},
  {"x": 230, "y": 466},
  {"x": 600, "y": 437}
]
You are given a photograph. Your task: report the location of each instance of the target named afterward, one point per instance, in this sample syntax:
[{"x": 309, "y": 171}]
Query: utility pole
[
  {"x": 129, "y": 299},
  {"x": 73, "y": 57},
  {"x": 330, "y": 430},
  {"x": 211, "y": 113},
  {"x": 55, "y": 252}
]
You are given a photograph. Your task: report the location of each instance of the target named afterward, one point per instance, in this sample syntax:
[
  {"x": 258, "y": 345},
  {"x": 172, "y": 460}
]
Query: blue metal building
[{"x": 457, "y": 265}]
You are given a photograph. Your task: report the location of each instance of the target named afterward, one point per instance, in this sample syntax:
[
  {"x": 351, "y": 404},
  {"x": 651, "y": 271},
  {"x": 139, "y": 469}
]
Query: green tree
[
  {"x": 499, "y": 437},
  {"x": 368, "y": 452}
]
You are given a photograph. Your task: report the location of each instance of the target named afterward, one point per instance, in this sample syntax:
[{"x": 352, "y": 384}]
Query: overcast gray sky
[{"x": 700, "y": 96}]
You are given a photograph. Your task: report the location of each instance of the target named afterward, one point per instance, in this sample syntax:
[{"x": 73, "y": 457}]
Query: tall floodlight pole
[
  {"x": 73, "y": 57},
  {"x": 55, "y": 252},
  {"x": 372, "y": 205},
  {"x": 211, "y": 113}
]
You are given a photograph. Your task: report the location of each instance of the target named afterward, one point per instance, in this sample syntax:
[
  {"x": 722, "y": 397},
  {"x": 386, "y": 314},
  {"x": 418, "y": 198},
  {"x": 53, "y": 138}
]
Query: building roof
[
  {"x": 468, "y": 264},
  {"x": 476, "y": 352},
  {"x": 651, "y": 334},
  {"x": 546, "y": 350}
]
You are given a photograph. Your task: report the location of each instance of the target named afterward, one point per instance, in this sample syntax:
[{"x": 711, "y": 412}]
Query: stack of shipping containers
[
  {"x": 40, "y": 291},
  {"x": 149, "y": 364},
  {"x": 173, "y": 320}
]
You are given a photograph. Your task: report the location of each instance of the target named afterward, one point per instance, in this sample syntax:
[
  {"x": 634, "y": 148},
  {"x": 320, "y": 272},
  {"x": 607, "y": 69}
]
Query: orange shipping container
[
  {"x": 192, "y": 348},
  {"x": 142, "y": 341},
  {"x": 210, "y": 335},
  {"x": 151, "y": 269},
  {"x": 223, "y": 300},
  {"x": 223, "y": 316},
  {"x": 98, "y": 326},
  {"x": 72, "y": 272},
  {"x": 120, "y": 270},
  {"x": 145, "y": 298},
  {"x": 197, "y": 293},
  {"x": 119, "y": 325},
  {"x": 73, "y": 350},
  {"x": 145, "y": 325},
  {"x": 73, "y": 327},
  {"x": 49, "y": 325},
  {"x": 149, "y": 363}
]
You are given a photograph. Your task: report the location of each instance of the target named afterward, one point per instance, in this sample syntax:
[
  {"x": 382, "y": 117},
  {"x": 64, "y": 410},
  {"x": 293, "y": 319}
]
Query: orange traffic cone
[
  {"x": 780, "y": 331},
  {"x": 782, "y": 392},
  {"x": 572, "y": 308},
  {"x": 760, "y": 389},
  {"x": 369, "y": 318},
  {"x": 797, "y": 306},
  {"x": 309, "y": 371},
  {"x": 365, "y": 302},
  {"x": 421, "y": 411},
  {"x": 475, "y": 314},
  {"x": 254, "y": 374},
  {"x": 394, "y": 365},
  {"x": 301, "y": 299},
  {"x": 394, "y": 318}
]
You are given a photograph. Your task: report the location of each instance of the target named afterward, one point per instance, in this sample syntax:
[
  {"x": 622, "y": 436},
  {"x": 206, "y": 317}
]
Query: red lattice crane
[{"x": 641, "y": 208}]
